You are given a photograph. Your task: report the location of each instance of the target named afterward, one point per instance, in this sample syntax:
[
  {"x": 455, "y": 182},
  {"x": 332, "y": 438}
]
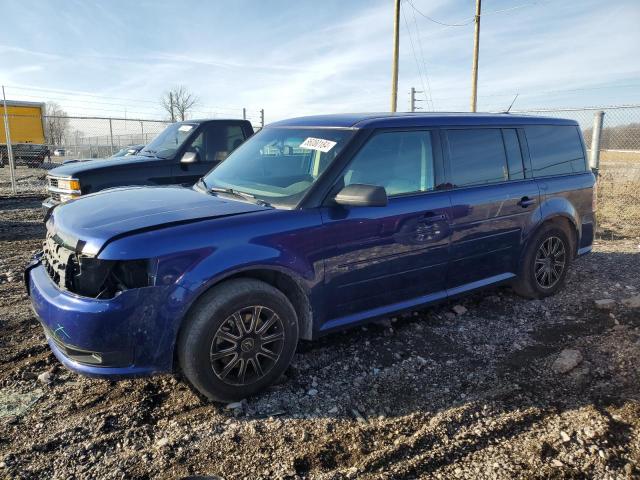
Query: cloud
[{"x": 317, "y": 57}]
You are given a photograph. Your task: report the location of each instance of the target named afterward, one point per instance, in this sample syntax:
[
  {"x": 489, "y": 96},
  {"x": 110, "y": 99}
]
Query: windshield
[
  {"x": 169, "y": 140},
  {"x": 120, "y": 153},
  {"x": 278, "y": 165}
]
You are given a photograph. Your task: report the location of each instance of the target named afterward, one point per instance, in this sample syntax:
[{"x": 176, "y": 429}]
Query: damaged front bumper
[{"x": 127, "y": 335}]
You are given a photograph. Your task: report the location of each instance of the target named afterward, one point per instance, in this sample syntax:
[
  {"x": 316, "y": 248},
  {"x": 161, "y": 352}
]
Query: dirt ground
[{"x": 434, "y": 394}]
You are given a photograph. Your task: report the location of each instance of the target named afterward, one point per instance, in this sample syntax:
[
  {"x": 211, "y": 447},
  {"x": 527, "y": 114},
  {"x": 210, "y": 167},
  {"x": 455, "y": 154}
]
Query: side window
[
  {"x": 514, "y": 154},
  {"x": 217, "y": 141},
  {"x": 555, "y": 149},
  {"x": 234, "y": 137},
  {"x": 477, "y": 156},
  {"x": 401, "y": 162}
]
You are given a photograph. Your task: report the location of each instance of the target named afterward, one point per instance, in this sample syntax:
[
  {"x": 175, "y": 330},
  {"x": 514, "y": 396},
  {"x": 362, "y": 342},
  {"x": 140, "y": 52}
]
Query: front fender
[{"x": 196, "y": 256}]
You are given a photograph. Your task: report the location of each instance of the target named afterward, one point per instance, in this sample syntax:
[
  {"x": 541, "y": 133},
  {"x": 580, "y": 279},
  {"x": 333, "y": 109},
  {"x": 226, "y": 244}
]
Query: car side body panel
[{"x": 570, "y": 196}]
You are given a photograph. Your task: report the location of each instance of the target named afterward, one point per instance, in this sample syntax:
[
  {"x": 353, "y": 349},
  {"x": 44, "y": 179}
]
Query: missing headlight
[{"x": 106, "y": 278}]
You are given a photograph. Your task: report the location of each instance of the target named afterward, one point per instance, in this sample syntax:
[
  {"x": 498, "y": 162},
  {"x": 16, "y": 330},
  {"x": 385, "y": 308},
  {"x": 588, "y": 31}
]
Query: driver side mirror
[
  {"x": 190, "y": 157},
  {"x": 359, "y": 195}
]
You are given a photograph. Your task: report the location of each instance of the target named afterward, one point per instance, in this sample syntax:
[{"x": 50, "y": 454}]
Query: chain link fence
[
  {"x": 63, "y": 139},
  {"x": 74, "y": 138},
  {"x": 42, "y": 142}
]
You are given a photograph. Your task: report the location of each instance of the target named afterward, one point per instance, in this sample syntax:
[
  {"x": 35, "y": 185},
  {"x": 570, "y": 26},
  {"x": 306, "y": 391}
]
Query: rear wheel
[
  {"x": 238, "y": 339},
  {"x": 544, "y": 265}
]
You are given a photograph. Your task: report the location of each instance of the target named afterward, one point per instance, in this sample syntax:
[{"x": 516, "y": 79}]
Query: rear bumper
[{"x": 117, "y": 337}]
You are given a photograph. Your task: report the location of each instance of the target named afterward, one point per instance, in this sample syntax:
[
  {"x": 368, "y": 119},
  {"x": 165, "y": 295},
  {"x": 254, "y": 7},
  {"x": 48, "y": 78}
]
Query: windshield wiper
[
  {"x": 238, "y": 193},
  {"x": 202, "y": 183},
  {"x": 149, "y": 151}
]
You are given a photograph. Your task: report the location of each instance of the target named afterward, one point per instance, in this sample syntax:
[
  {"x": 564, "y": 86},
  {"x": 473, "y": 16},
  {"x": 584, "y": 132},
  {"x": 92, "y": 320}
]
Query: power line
[
  {"x": 108, "y": 97},
  {"x": 413, "y": 49},
  {"x": 465, "y": 22},
  {"x": 469, "y": 21},
  {"x": 427, "y": 93}
]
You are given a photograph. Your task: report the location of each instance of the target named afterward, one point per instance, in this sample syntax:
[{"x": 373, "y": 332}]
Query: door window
[
  {"x": 555, "y": 149},
  {"x": 215, "y": 142},
  {"x": 401, "y": 162},
  {"x": 477, "y": 156}
]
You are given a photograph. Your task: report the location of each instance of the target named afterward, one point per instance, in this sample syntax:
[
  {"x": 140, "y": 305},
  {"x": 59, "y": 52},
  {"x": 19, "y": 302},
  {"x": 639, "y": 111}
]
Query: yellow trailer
[
  {"x": 26, "y": 124},
  {"x": 26, "y": 131}
]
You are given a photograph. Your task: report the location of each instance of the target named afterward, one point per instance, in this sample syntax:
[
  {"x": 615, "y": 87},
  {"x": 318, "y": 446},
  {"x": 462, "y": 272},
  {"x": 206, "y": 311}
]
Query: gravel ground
[{"x": 472, "y": 394}]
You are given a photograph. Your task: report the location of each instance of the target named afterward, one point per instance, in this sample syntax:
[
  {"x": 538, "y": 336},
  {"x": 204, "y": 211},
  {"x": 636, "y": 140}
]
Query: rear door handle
[{"x": 526, "y": 201}]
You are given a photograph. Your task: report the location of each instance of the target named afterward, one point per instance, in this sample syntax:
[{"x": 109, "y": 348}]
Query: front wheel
[
  {"x": 239, "y": 338},
  {"x": 544, "y": 265}
]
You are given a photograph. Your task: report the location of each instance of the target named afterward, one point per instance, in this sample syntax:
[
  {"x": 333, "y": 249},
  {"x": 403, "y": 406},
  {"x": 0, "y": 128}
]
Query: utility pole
[
  {"x": 474, "y": 69},
  {"x": 7, "y": 134},
  {"x": 244, "y": 113},
  {"x": 412, "y": 100},
  {"x": 262, "y": 117},
  {"x": 396, "y": 51}
]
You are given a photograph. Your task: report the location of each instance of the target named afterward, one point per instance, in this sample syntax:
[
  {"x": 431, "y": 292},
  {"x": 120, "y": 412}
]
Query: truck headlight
[{"x": 72, "y": 184}]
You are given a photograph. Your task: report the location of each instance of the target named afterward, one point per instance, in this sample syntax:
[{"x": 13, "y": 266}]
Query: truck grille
[
  {"x": 53, "y": 182},
  {"x": 58, "y": 261}
]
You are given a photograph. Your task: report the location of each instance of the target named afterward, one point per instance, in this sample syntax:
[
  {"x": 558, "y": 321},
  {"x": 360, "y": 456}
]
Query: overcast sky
[{"x": 307, "y": 56}]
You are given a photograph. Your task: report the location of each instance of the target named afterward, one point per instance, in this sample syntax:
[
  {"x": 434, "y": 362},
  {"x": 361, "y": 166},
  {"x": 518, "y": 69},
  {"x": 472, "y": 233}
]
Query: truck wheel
[
  {"x": 239, "y": 338},
  {"x": 545, "y": 262}
]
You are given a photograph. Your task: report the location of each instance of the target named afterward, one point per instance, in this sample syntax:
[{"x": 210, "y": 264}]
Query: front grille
[
  {"x": 55, "y": 196},
  {"x": 59, "y": 261},
  {"x": 53, "y": 182}
]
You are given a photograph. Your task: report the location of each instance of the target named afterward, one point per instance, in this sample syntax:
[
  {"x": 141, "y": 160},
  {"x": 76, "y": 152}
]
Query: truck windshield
[
  {"x": 169, "y": 140},
  {"x": 278, "y": 165}
]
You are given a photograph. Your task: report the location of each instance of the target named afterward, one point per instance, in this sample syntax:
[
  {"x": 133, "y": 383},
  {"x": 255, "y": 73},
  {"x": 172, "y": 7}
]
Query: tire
[
  {"x": 539, "y": 277},
  {"x": 213, "y": 323}
]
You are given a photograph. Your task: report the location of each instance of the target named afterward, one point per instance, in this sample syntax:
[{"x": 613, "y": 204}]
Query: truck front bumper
[
  {"x": 48, "y": 204},
  {"x": 117, "y": 337}
]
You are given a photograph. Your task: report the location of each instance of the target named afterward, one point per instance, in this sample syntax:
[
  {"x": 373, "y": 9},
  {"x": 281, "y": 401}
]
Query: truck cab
[{"x": 179, "y": 155}]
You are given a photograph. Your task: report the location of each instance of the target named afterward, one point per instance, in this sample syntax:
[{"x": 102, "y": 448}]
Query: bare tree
[
  {"x": 56, "y": 123},
  {"x": 178, "y": 102}
]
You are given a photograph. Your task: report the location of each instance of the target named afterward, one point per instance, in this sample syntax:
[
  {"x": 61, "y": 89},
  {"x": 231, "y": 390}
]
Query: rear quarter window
[{"x": 555, "y": 149}]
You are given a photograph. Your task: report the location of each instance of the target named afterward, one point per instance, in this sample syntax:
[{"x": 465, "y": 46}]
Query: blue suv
[{"x": 313, "y": 225}]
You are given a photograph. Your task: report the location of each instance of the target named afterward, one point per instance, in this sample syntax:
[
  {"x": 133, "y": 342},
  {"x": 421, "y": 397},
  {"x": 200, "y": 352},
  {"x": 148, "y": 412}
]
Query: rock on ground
[{"x": 567, "y": 361}]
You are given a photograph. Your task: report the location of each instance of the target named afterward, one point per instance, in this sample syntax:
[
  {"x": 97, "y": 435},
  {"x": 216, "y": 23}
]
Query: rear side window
[
  {"x": 477, "y": 156},
  {"x": 555, "y": 149}
]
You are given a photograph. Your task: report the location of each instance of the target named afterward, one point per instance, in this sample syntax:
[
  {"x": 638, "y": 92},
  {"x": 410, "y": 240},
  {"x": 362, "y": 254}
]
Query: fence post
[
  {"x": 262, "y": 117},
  {"x": 7, "y": 135},
  {"x": 244, "y": 113},
  {"x": 598, "y": 118},
  {"x": 142, "y": 132},
  {"x": 111, "y": 135}
]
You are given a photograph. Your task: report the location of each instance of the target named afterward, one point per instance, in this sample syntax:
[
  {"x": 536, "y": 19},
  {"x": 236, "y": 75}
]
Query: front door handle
[{"x": 526, "y": 201}]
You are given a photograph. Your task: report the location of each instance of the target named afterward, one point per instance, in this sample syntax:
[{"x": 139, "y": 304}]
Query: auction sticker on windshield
[{"x": 318, "y": 144}]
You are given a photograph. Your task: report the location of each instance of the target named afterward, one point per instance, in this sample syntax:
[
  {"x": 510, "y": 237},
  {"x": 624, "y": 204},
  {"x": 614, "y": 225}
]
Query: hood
[
  {"x": 88, "y": 223},
  {"x": 74, "y": 167}
]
